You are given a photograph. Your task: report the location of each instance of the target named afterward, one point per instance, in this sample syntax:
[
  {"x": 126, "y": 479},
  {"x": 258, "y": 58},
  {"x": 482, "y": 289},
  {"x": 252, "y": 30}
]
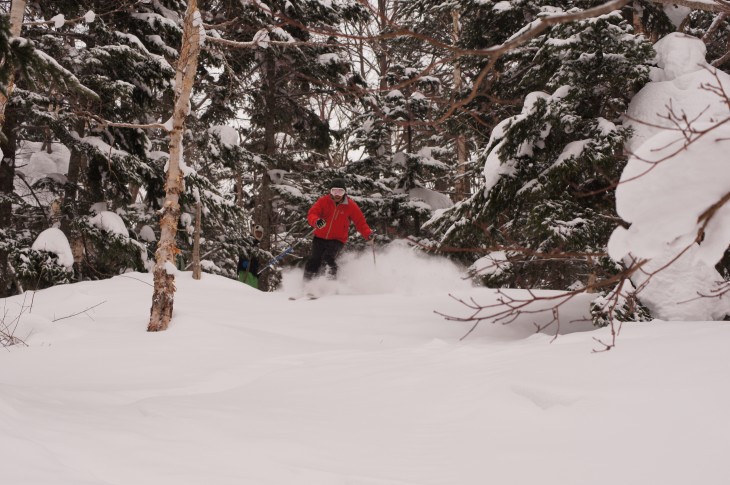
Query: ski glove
[{"x": 320, "y": 223}]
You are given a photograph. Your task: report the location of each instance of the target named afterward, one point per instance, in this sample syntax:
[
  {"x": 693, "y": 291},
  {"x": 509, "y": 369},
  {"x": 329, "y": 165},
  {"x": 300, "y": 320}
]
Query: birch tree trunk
[{"x": 164, "y": 272}]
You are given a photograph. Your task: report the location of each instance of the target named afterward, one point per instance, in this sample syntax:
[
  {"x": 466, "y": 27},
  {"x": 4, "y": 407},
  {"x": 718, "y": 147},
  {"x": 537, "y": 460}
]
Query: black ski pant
[{"x": 324, "y": 251}]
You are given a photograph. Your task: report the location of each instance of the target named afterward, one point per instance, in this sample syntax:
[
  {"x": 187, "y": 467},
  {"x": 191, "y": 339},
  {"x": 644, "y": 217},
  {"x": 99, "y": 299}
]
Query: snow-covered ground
[{"x": 364, "y": 387}]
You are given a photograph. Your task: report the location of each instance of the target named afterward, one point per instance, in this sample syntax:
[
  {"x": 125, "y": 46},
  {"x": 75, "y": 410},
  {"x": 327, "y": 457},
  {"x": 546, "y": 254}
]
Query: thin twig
[{"x": 78, "y": 313}]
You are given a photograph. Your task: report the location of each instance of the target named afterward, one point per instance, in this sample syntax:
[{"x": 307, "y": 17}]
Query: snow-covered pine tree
[
  {"x": 439, "y": 29},
  {"x": 221, "y": 181},
  {"x": 548, "y": 170},
  {"x": 654, "y": 20},
  {"x": 399, "y": 159},
  {"x": 403, "y": 153},
  {"x": 117, "y": 52},
  {"x": 279, "y": 84},
  {"x": 714, "y": 30},
  {"x": 33, "y": 83},
  {"x": 121, "y": 57}
]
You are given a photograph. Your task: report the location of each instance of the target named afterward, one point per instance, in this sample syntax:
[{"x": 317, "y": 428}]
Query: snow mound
[
  {"x": 679, "y": 86},
  {"x": 671, "y": 184},
  {"x": 110, "y": 222},
  {"x": 54, "y": 241}
]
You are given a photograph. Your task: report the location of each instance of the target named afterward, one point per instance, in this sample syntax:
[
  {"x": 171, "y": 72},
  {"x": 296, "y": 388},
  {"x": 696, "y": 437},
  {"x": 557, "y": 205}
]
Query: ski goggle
[{"x": 337, "y": 192}]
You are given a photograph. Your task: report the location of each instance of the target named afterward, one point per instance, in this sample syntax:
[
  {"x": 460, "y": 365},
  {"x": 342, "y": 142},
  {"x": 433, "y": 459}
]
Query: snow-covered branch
[
  {"x": 59, "y": 21},
  {"x": 258, "y": 43},
  {"x": 718, "y": 6},
  {"x": 115, "y": 124}
]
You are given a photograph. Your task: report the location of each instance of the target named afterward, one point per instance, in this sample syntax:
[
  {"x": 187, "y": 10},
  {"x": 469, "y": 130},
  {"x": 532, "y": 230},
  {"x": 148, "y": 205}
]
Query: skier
[
  {"x": 331, "y": 216},
  {"x": 248, "y": 267}
]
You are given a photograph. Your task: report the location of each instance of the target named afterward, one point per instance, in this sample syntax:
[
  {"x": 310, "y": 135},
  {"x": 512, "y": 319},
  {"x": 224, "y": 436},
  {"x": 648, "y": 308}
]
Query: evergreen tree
[
  {"x": 714, "y": 30},
  {"x": 118, "y": 55},
  {"x": 406, "y": 160},
  {"x": 118, "y": 69},
  {"x": 549, "y": 169},
  {"x": 285, "y": 134}
]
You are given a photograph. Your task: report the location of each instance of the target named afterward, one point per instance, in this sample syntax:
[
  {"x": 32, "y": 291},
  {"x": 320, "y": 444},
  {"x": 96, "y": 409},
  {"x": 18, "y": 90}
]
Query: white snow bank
[{"x": 247, "y": 388}]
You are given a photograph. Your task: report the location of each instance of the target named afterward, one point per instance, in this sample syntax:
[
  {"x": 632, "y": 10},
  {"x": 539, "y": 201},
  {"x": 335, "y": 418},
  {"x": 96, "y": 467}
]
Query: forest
[{"x": 516, "y": 137}]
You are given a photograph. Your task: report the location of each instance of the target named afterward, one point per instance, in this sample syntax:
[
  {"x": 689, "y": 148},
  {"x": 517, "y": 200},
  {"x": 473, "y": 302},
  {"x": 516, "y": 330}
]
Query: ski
[{"x": 307, "y": 296}]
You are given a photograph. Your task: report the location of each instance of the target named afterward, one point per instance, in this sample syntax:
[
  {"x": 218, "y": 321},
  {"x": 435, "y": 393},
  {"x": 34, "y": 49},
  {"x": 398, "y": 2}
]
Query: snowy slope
[{"x": 365, "y": 388}]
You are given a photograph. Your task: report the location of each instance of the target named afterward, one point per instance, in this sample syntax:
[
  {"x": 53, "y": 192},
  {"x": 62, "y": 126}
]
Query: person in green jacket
[{"x": 248, "y": 267}]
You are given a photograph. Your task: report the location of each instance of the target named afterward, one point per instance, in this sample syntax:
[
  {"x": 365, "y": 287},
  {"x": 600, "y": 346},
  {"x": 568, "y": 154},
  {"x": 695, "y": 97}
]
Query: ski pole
[
  {"x": 372, "y": 243},
  {"x": 283, "y": 254}
]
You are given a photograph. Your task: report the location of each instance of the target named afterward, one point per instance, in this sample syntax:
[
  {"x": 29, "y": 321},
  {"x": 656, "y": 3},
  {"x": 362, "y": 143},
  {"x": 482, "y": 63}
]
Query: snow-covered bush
[
  {"x": 36, "y": 270},
  {"x": 108, "y": 249},
  {"x": 618, "y": 306}
]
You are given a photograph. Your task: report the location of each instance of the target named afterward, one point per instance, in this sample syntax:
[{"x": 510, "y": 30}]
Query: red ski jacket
[{"x": 338, "y": 217}]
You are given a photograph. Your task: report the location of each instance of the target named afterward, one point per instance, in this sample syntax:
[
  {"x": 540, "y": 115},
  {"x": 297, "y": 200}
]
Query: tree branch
[{"x": 719, "y": 6}]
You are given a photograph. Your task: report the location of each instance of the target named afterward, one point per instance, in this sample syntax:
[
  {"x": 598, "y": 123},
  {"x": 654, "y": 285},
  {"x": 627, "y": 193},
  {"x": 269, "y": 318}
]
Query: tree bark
[
  {"x": 164, "y": 275},
  {"x": 77, "y": 165},
  {"x": 17, "y": 12},
  {"x": 7, "y": 177},
  {"x": 381, "y": 55},
  {"x": 462, "y": 182},
  {"x": 265, "y": 207},
  {"x": 7, "y": 160},
  {"x": 196, "y": 242},
  {"x": 239, "y": 189}
]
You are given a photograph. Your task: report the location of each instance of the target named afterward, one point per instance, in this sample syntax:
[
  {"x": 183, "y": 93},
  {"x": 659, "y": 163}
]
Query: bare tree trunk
[
  {"x": 636, "y": 18},
  {"x": 17, "y": 11},
  {"x": 239, "y": 189},
  {"x": 76, "y": 164},
  {"x": 7, "y": 177},
  {"x": 381, "y": 53},
  {"x": 265, "y": 207},
  {"x": 133, "y": 192},
  {"x": 462, "y": 182},
  {"x": 164, "y": 280},
  {"x": 196, "y": 242},
  {"x": 7, "y": 147}
]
